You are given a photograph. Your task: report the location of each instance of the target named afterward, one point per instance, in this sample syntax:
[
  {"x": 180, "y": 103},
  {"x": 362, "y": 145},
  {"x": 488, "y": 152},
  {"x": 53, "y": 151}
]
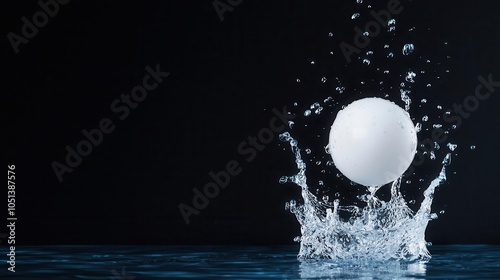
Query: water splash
[{"x": 380, "y": 231}]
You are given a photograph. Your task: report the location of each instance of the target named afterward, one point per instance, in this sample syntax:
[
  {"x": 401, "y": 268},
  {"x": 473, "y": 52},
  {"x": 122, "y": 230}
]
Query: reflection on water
[
  {"x": 366, "y": 270},
  {"x": 223, "y": 262}
]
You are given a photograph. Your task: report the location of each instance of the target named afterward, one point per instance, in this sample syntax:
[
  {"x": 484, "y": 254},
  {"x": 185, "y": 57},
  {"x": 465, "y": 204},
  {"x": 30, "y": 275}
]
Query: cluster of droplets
[
  {"x": 404, "y": 86},
  {"x": 315, "y": 107}
]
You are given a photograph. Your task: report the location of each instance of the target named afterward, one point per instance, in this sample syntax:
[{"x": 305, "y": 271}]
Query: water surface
[{"x": 230, "y": 262}]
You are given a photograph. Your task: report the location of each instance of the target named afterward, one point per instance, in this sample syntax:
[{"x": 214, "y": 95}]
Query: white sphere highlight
[{"x": 372, "y": 141}]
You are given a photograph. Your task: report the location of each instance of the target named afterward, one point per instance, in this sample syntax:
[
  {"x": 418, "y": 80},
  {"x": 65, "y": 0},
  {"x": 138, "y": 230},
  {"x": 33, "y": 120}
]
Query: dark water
[{"x": 218, "y": 262}]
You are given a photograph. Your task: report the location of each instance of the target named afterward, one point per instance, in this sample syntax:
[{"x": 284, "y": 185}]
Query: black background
[{"x": 225, "y": 79}]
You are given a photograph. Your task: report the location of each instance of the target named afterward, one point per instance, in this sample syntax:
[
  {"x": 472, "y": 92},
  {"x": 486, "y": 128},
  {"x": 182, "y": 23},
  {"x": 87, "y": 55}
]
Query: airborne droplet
[{"x": 408, "y": 49}]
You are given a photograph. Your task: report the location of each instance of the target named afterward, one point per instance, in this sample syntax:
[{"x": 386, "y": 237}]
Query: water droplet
[
  {"x": 308, "y": 151},
  {"x": 472, "y": 147},
  {"x": 285, "y": 136},
  {"x": 410, "y": 77},
  {"x": 307, "y": 113},
  {"x": 386, "y": 46},
  {"x": 359, "y": 1},
  {"x": 366, "y": 61},
  {"x": 451, "y": 146},
  {"x": 321, "y": 183},
  {"x": 369, "y": 52},
  {"x": 391, "y": 23},
  {"x": 441, "y": 212},
  {"x": 283, "y": 179},
  {"x": 318, "y": 111},
  {"x": 340, "y": 89},
  {"x": 405, "y": 98},
  {"x": 298, "y": 80},
  {"x": 429, "y": 85},
  {"x": 329, "y": 163},
  {"x": 318, "y": 162},
  {"x": 418, "y": 127},
  {"x": 436, "y": 146},
  {"x": 412, "y": 201},
  {"x": 389, "y": 55},
  {"x": 423, "y": 101},
  {"x": 330, "y": 34},
  {"x": 439, "y": 107},
  {"x": 290, "y": 124},
  {"x": 323, "y": 80},
  {"x": 408, "y": 49},
  {"x": 447, "y": 160},
  {"x": 312, "y": 62},
  {"x": 327, "y": 150},
  {"x": 337, "y": 194},
  {"x": 432, "y": 155},
  {"x": 425, "y": 118},
  {"x": 386, "y": 71},
  {"x": 325, "y": 198},
  {"x": 328, "y": 99},
  {"x": 436, "y": 125},
  {"x": 314, "y": 105},
  {"x": 355, "y": 15}
]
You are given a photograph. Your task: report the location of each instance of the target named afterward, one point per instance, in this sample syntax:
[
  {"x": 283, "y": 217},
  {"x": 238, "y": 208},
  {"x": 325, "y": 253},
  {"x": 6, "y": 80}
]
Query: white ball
[{"x": 372, "y": 141}]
